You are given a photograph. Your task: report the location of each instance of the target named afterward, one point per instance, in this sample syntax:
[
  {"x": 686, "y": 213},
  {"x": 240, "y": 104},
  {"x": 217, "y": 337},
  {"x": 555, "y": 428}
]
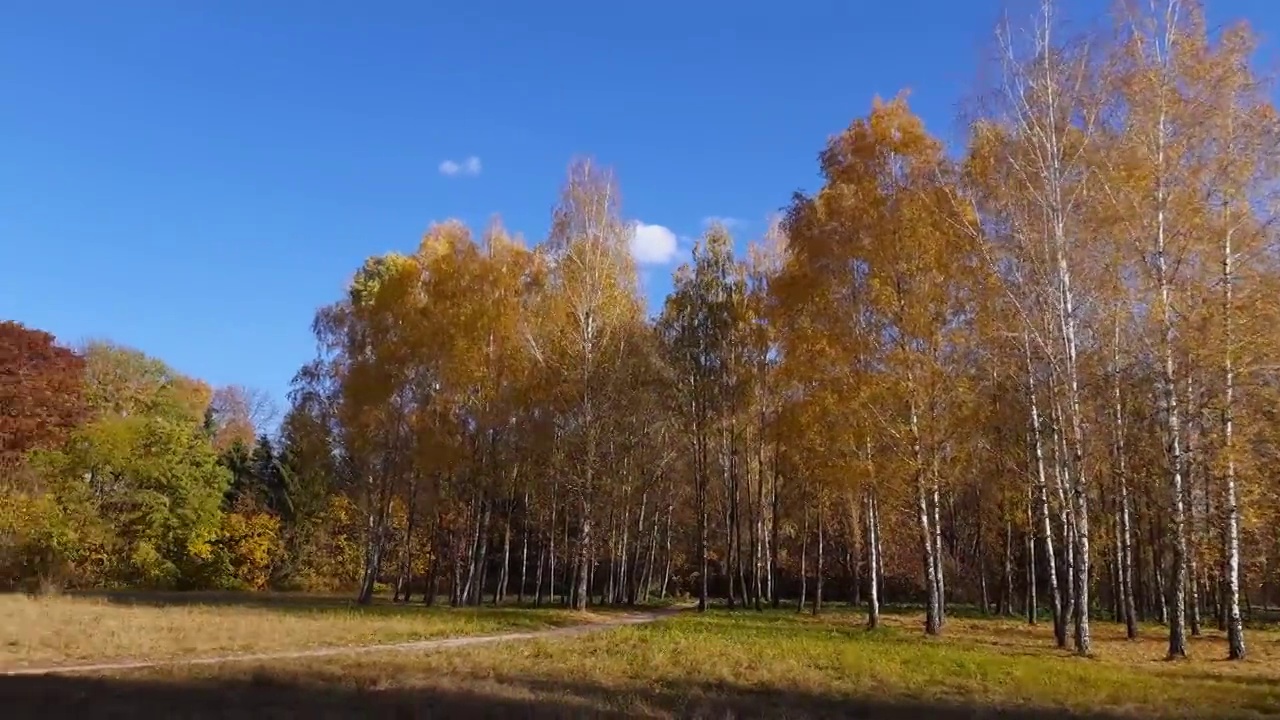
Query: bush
[
  {"x": 328, "y": 550},
  {"x": 242, "y": 555},
  {"x": 45, "y": 542},
  {"x": 250, "y": 544}
]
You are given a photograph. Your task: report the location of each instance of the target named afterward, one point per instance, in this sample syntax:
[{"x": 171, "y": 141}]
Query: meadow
[
  {"x": 721, "y": 664},
  {"x": 127, "y": 627}
]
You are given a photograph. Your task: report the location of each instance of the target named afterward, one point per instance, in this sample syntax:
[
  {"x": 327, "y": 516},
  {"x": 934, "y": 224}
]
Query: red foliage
[{"x": 41, "y": 391}]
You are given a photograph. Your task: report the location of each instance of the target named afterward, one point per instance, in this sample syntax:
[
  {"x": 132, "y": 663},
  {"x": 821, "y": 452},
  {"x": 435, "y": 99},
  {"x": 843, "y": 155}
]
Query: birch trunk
[
  {"x": 804, "y": 554},
  {"x": 482, "y": 560},
  {"x": 666, "y": 571},
  {"x": 1042, "y": 499},
  {"x": 610, "y": 589},
  {"x": 1157, "y": 564},
  {"x": 524, "y": 551},
  {"x": 873, "y": 594},
  {"x": 1008, "y": 569},
  {"x": 537, "y": 579},
  {"x": 853, "y": 548},
  {"x": 1173, "y": 429},
  {"x": 757, "y": 525},
  {"x": 504, "y": 573},
  {"x": 726, "y": 564},
  {"x": 818, "y": 566},
  {"x": 1231, "y": 528},
  {"x": 1058, "y": 205},
  {"x": 457, "y": 545},
  {"x": 1045, "y": 121},
  {"x": 1125, "y": 535},
  {"x": 584, "y": 559},
  {"x": 472, "y": 552},
  {"x": 570, "y": 584},
  {"x": 647, "y": 578},
  {"x": 1033, "y": 607},
  {"x": 637, "y": 561},
  {"x": 932, "y": 623},
  {"x": 700, "y": 481},
  {"x": 551, "y": 549},
  {"x": 620, "y": 589},
  {"x": 774, "y": 598},
  {"x": 937, "y": 554},
  {"x": 403, "y": 582},
  {"x": 375, "y": 543},
  {"x": 1066, "y": 519}
]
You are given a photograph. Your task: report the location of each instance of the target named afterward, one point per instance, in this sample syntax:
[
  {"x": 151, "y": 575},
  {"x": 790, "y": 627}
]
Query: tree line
[{"x": 1037, "y": 374}]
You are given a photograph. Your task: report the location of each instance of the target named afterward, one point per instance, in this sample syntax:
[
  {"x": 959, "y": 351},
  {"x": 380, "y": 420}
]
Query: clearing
[
  {"x": 138, "y": 627},
  {"x": 776, "y": 664}
]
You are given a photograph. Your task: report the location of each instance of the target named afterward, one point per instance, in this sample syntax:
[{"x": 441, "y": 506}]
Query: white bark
[{"x": 1231, "y": 528}]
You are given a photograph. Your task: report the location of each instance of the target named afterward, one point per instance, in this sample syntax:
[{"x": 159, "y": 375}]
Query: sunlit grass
[
  {"x": 36, "y": 632},
  {"x": 719, "y": 664},
  {"x": 781, "y": 664}
]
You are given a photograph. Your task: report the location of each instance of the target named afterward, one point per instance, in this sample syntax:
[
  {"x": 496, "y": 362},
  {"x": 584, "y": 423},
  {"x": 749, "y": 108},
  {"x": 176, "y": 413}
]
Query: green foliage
[
  {"x": 133, "y": 496},
  {"x": 50, "y": 538},
  {"x": 159, "y": 481},
  {"x": 702, "y": 321},
  {"x": 238, "y": 463}
]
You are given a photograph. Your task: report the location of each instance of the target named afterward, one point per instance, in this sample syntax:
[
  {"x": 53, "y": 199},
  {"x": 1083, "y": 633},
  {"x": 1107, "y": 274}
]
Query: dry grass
[
  {"x": 40, "y": 632},
  {"x": 720, "y": 665}
]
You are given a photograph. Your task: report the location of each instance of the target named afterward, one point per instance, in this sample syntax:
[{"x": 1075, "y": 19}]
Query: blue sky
[{"x": 195, "y": 178}]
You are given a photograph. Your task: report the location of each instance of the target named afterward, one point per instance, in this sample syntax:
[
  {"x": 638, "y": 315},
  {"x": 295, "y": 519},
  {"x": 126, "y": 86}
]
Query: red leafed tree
[{"x": 40, "y": 391}]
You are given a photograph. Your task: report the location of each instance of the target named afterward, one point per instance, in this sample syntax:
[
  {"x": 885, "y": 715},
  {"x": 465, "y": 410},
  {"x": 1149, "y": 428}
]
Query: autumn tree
[
  {"x": 369, "y": 350},
  {"x": 1035, "y": 370},
  {"x": 144, "y": 463},
  {"x": 589, "y": 301},
  {"x": 239, "y": 414},
  {"x": 41, "y": 392},
  {"x": 699, "y": 325},
  {"x": 880, "y": 237},
  {"x": 1245, "y": 136},
  {"x": 1029, "y": 171},
  {"x": 1190, "y": 173}
]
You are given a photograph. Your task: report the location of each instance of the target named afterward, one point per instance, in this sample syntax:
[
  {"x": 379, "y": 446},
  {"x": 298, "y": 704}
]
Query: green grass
[{"x": 722, "y": 664}]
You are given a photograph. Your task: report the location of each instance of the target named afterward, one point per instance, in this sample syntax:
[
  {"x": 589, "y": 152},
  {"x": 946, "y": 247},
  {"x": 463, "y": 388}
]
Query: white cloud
[
  {"x": 729, "y": 222},
  {"x": 652, "y": 244},
  {"x": 470, "y": 166}
]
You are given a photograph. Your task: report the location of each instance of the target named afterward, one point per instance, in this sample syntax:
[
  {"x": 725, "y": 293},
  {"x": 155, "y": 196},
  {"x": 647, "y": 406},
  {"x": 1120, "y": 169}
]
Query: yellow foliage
[
  {"x": 251, "y": 544},
  {"x": 331, "y": 555},
  {"x": 42, "y": 538}
]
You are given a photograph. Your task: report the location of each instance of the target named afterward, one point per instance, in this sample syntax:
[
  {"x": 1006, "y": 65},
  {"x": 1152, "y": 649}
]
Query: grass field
[
  {"x": 719, "y": 665},
  {"x": 40, "y": 632}
]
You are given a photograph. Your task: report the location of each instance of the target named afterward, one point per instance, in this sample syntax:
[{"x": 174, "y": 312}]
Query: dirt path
[{"x": 418, "y": 645}]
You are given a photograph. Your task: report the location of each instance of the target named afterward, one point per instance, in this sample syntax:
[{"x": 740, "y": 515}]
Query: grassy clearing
[
  {"x": 718, "y": 665},
  {"x": 40, "y": 632}
]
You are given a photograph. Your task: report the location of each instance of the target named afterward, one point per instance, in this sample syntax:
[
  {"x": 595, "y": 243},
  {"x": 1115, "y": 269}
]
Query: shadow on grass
[
  {"x": 52, "y": 698},
  {"x": 284, "y": 601}
]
